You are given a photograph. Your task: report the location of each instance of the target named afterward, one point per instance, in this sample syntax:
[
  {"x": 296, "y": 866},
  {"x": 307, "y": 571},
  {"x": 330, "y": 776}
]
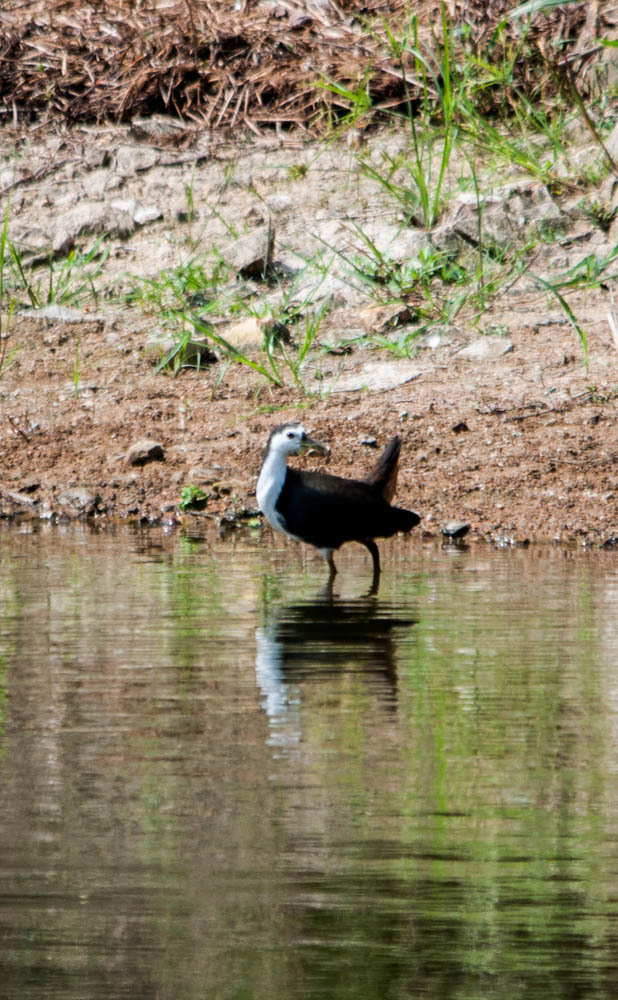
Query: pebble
[
  {"x": 79, "y": 498},
  {"x": 376, "y": 376},
  {"x": 21, "y": 498},
  {"x": 143, "y": 451},
  {"x": 61, "y": 314},
  {"x": 485, "y": 349},
  {"x": 455, "y": 529}
]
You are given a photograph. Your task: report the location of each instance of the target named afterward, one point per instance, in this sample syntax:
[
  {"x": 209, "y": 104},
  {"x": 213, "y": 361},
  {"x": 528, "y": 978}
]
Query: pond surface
[{"x": 220, "y": 780}]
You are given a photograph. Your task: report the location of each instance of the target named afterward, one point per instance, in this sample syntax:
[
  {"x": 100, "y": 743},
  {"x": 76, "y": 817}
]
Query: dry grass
[{"x": 215, "y": 62}]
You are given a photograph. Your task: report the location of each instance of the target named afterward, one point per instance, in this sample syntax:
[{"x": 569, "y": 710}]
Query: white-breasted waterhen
[{"x": 327, "y": 511}]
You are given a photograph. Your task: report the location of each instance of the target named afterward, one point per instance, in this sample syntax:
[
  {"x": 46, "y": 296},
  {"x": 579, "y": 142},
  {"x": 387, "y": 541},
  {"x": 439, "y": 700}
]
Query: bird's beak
[{"x": 308, "y": 443}]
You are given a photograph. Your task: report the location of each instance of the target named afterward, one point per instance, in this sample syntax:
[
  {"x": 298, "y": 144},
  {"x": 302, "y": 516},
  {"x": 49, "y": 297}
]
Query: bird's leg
[
  {"x": 331, "y": 564},
  {"x": 375, "y": 555}
]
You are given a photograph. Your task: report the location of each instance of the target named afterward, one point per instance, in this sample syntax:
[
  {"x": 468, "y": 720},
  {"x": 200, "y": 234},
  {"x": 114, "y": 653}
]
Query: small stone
[
  {"x": 79, "y": 499},
  {"x": 126, "y": 205},
  {"x": 455, "y": 529},
  {"x": 144, "y": 214},
  {"x": 369, "y": 442},
  {"x": 279, "y": 202},
  {"x": 125, "y": 480},
  {"x": 382, "y": 318},
  {"x": 143, "y": 451},
  {"x": 61, "y": 314},
  {"x": 248, "y": 334},
  {"x": 63, "y": 243},
  {"x": 252, "y": 253},
  {"x": 22, "y": 499},
  {"x": 202, "y": 475},
  {"x": 93, "y": 217},
  {"x": 375, "y": 375},
  {"x": 131, "y": 160},
  {"x": 485, "y": 349},
  {"x": 97, "y": 157}
]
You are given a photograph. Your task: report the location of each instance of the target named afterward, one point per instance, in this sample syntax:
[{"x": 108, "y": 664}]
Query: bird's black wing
[{"x": 327, "y": 511}]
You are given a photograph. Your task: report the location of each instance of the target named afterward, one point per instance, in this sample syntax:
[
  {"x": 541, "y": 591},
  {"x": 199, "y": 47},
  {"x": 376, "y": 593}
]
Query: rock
[
  {"x": 203, "y": 475},
  {"x": 485, "y": 349},
  {"x": 79, "y": 499},
  {"x": 455, "y": 529},
  {"x": 159, "y": 128},
  {"x": 369, "y": 442},
  {"x": 252, "y": 254},
  {"x": 143, "y": 451},
  {"x": 377, "y": 376},
  {"x": 141, "y": 214},
  {"x": 249, "y": 334},
  {"x": 393, "y": 243},
  {"x": 147, "y": 213},
  {"x": 246, "y": 335},
  {"x": 61, "y": 314},
  {"x": 63, "y": 242},
  {"x": 131, "y": 160},
  {"x": 98, "y": 156},
  {"x": 103, "y": 181},
  {"x": 524, "y": 205},
  {"x": 93, "y": 217},
  {"x": 21, "y": 499},
  {"x": 380, "y": 318}
]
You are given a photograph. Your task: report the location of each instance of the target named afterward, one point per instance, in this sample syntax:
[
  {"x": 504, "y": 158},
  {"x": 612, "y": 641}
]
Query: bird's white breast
[{"x": 269, "y": 485}]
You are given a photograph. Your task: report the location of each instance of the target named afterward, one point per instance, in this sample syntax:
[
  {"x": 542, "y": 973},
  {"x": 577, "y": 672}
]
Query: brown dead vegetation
[{"x": 218, "y": 63}]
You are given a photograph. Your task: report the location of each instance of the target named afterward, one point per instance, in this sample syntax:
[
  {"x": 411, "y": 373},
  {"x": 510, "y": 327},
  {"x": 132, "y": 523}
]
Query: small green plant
[
  {"x": 352, "y": 104},
  {"x": 599, "y": 213},
  {"x": 189, "y": 189},
  {"x": 420, "y": 191},
  {"x": 192, "y": 498},
  {"x": 270, "y": 371},
  {"x": 570, "y": 315},
  {"x": 70, "y": 281},
  {"x": 192, "y": 284},
  {"x": 295, "y": 361},
  {"x": 297, "y": 171}
]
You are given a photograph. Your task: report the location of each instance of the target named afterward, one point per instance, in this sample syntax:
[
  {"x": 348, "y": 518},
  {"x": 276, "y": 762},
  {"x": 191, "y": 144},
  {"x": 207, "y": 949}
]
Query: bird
[{"x": 324, "y": 510}]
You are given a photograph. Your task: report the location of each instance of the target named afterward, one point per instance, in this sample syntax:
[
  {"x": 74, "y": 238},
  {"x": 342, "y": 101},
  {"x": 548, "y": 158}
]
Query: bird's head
[{"x": 292, "y": 439}]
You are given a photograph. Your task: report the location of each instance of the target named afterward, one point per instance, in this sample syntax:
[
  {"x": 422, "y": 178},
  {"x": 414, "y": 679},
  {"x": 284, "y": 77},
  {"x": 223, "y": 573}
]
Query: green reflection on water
[{"x": 221, "y": 780}]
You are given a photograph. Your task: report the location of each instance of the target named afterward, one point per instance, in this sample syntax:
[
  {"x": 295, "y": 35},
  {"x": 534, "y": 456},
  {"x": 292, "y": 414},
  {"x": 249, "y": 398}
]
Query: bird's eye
[{"x": 291, "y": 435}]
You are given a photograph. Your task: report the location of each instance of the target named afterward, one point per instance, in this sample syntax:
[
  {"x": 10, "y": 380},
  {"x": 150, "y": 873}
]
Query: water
[{"x": 219, "y": 780}]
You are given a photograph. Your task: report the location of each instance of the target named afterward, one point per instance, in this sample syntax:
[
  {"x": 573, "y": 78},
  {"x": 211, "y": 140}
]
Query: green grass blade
[{"x": 581, "y": 333}]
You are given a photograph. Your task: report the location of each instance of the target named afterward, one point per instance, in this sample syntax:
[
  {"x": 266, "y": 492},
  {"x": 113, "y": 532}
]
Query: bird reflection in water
[{"x": 319, "y": 641}]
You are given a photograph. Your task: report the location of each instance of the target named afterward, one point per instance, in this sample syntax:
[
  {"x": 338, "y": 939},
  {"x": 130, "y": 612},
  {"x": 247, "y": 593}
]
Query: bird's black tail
[{"x": 383, "y": 476}]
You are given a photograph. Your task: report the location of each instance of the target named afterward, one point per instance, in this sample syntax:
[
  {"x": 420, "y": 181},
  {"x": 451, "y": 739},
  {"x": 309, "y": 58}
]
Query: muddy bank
[{"x": 502, "y": 424}]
